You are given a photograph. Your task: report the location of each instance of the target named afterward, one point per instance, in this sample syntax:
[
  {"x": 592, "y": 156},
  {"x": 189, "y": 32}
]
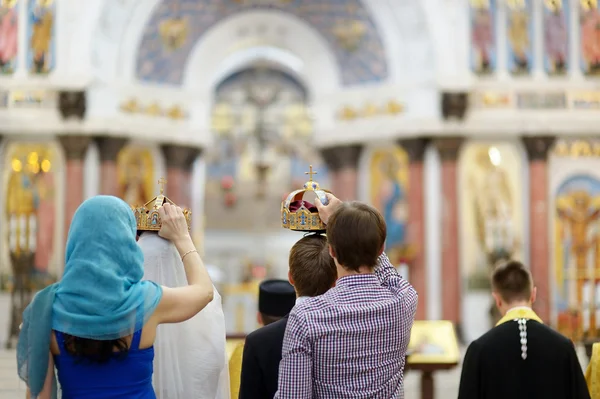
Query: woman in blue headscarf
[{"x": 98, "y": 324}]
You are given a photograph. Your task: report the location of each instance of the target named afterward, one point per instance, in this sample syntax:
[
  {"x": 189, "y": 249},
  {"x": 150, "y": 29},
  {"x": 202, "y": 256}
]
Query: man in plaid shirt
[{"x": 351, "y": 341}]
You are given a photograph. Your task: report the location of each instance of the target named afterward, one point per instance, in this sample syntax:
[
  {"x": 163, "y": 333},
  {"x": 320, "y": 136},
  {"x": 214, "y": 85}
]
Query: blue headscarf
[{"x": 100, "y": 296}]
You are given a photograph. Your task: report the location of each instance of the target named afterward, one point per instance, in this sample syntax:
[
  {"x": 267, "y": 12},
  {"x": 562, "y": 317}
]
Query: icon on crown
[
  {"x": 300, "y": 215},
  {"x": 147, "y": 217}
]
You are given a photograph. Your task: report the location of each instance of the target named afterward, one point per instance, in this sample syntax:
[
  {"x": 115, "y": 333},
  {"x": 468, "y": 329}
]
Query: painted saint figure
[
  {"x": 9, "y": 27},
  {"x": 518, "y": 36},
  {"x": 579, "y": 218},
  {"x": 42, "y": 20},
  {"x": 482, "y": 38},
  {"x": 556, "y": 38},
  {"x": 393, "y": 205},
  {"x": 590, "y": 40}
]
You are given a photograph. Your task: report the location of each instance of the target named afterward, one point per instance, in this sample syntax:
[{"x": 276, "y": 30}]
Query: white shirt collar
[{"x": 301, "y": 299}]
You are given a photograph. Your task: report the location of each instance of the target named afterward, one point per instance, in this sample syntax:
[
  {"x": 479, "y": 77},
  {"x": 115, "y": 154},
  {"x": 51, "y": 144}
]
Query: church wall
[{"x": 91, "y": 167}]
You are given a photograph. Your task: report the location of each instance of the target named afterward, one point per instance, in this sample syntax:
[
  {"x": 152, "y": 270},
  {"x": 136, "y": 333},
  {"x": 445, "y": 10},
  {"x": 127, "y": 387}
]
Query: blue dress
[{"x": 119, "y": 378}]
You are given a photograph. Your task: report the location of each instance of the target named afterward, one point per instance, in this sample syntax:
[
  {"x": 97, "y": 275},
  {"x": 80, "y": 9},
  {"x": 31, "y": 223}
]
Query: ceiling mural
[{"x": 176, "y": 26}]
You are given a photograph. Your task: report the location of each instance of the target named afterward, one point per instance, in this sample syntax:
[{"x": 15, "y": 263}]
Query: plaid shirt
[{"x": 351, "y": 341}]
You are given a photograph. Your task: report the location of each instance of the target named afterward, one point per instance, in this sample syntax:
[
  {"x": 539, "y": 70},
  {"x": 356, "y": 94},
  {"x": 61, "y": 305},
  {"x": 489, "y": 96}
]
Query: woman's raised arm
[{"x": 183, "y": 303}]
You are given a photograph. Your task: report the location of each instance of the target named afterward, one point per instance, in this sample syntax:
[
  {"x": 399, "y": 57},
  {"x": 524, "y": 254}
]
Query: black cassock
[
  {"x": 260, "y": 364},
  {"x": 494, "y": 368}
]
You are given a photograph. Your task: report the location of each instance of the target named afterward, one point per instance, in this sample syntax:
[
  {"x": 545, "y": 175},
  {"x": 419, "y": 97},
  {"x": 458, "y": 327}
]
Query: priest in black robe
[{"x": 520, "y": 358}]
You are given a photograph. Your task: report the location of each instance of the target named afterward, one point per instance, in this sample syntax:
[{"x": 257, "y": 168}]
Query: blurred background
[{"x": 473, "y": 126}]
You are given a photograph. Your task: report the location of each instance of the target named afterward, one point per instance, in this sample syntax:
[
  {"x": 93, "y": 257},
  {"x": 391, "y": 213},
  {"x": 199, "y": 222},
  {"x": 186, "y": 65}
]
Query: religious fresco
[
  {"x": 388, "y": 190},
  {"x": 556, "y": 36},
  {"x": 577, "y": 256},
  {"x": 9, "y": 35},
  {"x": 30, "y": 227},
  {"x": 483, "y": 36},
  {"x": 135, "y": 170},
  {"x": 590, "y": 37},
  {"x": 263, "y": 131},
  {"x": 346, "y": 25},
  {"x": 520, "y": 36},
  {"x": 41, "y": 33},
  {"x": 491, "y": 210}
]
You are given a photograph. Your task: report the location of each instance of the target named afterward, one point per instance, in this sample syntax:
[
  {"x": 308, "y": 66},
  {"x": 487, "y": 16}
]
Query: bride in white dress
[{"x": 190, "y": 357}]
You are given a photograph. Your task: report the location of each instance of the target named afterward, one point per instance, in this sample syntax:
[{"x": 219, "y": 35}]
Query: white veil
[{"x": 190, "y": 357}]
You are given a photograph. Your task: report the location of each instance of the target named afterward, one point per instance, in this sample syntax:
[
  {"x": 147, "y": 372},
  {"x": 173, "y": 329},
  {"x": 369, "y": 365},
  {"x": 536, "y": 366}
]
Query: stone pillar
[
  {"x": 179, "y": 160},
  {"x": 342, "y": 162},
  {"x": 75, "y": 148},
  {"x": 109, "y": 148},
  {"x": 539, "y": 233},
  {"x": 448, "y": 148},
  {"x": 415, "y": 149}
]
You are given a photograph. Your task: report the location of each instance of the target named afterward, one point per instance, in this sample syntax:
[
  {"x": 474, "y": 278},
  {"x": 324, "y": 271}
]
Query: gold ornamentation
[
  {"x": 9, "y": 3},
  {"x": 370, "y": 110},
  {"x": 553, "y": 5},
  {"x": 588, "y": 5},
  {"x": 348, "y": 114},
  {"x": 154, "y": 110},
  {"x": 349, "y": 34},
  {"x": 577, "y": 148},
  {"x": 176, "y": 113},
  {"x": 173, "y": 32},
  {"x": 394, "y": 108},
  {"x": 303, "y": 219},
  {"x": 482, "y": 4},
  {"x": 147, "y": 217},
  {"x": 131, "y": 106},
  {"x": 516, "y": 4}
]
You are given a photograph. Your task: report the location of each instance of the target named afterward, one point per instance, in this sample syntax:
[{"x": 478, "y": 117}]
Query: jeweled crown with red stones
[{"x": 300, "y": 215}]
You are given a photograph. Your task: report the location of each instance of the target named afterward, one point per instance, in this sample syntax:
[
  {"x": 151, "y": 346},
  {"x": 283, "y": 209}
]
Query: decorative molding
[
  {"x": 342, "y": 157},
  {"x": 133, "y": 106},
  {"x": 75, "y": 147},
  {"x": 28, "y": 99},
  {"x": 370, "y": 110},
  {"x": 577, "y": 148},
  {"x": 455, "y": 105},
  {"x": 448, "y": 147},
  {"x": 415, "y": 148},
  {"x": 537, "y": 147},
  {"x": 109, "y": 147},
  {"x": 180, "y": 157},
  {"x": 72, "y": 104}
]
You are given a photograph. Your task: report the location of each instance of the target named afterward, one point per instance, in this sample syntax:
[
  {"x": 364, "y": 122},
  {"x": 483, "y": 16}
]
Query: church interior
[{"x": 472, "y": 127}]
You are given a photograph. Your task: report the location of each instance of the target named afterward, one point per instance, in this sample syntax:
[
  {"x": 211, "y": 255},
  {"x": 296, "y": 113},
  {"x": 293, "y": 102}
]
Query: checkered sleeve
[
  {"x": 389, "y": 277},
  {"x": 295, "y": 368}
]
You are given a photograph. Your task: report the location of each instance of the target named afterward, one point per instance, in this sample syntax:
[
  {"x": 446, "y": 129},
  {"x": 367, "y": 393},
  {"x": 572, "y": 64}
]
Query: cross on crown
[
  {"x": 310, "y": 173},
  {"x": 162, "y": 183}
]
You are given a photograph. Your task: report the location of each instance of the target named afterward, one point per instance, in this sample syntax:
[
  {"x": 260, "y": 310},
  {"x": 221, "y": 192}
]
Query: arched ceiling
[{"x": 339, "y": 22}]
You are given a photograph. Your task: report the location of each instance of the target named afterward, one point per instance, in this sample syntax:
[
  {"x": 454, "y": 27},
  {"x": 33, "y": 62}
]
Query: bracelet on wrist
[{"x": 187, "y": 253}]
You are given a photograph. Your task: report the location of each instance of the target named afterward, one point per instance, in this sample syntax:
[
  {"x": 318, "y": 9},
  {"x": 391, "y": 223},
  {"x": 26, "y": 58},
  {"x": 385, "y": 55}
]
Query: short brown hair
[
  {"x": 512, "y": 281},
  {"x": 311, "y": 267},
  {"x": 356, "y": 233}
]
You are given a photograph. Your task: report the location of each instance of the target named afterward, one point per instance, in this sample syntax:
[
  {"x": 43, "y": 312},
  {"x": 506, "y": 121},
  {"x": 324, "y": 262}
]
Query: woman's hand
[{"x": 174, "y": 226}]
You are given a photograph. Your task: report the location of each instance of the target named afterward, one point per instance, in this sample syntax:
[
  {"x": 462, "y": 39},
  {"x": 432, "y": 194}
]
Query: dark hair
[
  {"x": 512, "y": 281},
  {"x": 268, "y": 319},
  {"x": 311, "y": 267},
  {"x": 356, "y": 233},
  {"x": 94, "y": 350}
]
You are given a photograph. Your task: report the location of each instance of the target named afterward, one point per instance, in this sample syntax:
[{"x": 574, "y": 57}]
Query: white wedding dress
[{"x": 190, "y": 357}]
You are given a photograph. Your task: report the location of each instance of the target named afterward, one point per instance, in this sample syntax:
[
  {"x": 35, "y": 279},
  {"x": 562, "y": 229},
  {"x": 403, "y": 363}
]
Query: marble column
[
  {"x": 75, "y": 148},
  {"x": 539, "y": 233},
  {"x": 342, "y": 162},
  {"x": 179, "y": 160},
  {"x": 109, "y": 148},
  {"x": 415, "y": 149},
  {"x": 448, "y": 148}
]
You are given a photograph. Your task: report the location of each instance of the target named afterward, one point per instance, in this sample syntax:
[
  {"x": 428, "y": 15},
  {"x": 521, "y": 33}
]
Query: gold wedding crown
[
  {"x": 147, "y": 217},
  {"x": 300, "y": 215}
]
